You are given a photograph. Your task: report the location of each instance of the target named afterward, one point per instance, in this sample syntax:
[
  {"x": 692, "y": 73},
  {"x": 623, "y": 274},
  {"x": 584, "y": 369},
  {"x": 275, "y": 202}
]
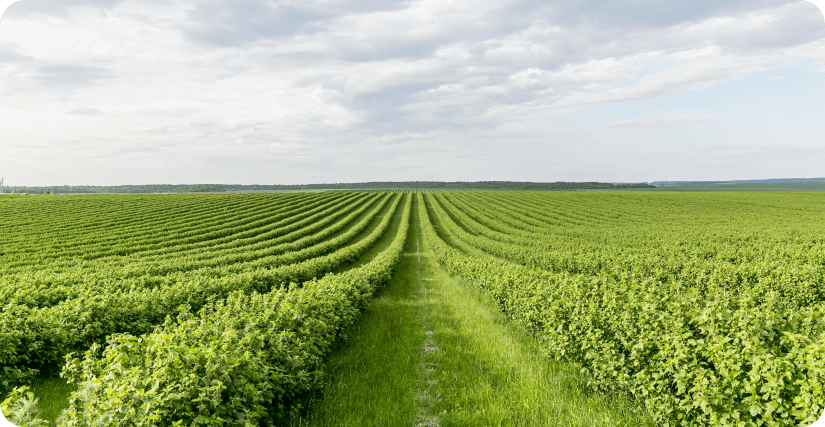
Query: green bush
[
  {"x": 244, "y": 361},
  {"x": 695, "y": 359},
  {"x": 39, "y": 338},
  {"x": 20, "y": 408}
]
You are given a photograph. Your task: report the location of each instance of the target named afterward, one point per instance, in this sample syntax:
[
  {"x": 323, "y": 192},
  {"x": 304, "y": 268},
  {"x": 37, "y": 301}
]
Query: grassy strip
[
  {"x": 431, "y": 351},
  {"x": 52, "y": 394}
]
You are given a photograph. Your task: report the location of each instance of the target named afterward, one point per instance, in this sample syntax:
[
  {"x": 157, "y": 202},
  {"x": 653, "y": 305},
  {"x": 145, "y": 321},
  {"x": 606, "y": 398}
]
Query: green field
[{"x": 428, "y": 308}]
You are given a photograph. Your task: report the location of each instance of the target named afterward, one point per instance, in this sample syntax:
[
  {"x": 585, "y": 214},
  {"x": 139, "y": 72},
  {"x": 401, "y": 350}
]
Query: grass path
[
  {"x": 431, "y": 351},
  {"x": 52, "y": 393}
]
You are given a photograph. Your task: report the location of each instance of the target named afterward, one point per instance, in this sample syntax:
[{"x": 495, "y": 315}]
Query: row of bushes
[
  {"x": 48, "y": 287},
  {"x": 91, "y": 227},
  {"x": 244, "y": 361},
  {"x": 124, "y": 257},
  {"x": 797, "y": 282},
  {"x": 33, "y": 340},
  {"x": 693, "y": 360}
]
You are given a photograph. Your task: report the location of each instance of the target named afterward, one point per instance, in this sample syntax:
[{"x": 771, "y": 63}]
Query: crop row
[
  {"x": 799, "y": 283},
  {"x": 243, "y": 361},
  {"x": 47, "y": 287},
  {"x": 694, "y": 358},
  {"x": 60, "y": 233},
  {"x": 79, "y": 215},
  {"x": 154, "y": 241},
  {"x": 269, "y": 242},
  {"x": 36, "y": 339}
]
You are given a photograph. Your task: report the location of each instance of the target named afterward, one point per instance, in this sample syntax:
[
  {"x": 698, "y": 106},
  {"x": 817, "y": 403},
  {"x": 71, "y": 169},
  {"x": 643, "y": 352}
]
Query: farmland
[{"x": 479, "y": 307}]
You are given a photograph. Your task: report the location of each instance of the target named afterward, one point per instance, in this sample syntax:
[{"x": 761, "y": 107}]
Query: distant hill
[
  {"x": 766, "y": 186},
  {"x": 219, "y": 188},
  {"x": 749, "y": 181}
]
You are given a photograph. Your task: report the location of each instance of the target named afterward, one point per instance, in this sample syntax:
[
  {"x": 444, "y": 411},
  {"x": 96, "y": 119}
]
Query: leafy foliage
[
  {"x": 39, "y": 337},
  {"x": 697, "y": 355},
  {"x": 220, "y": 309},
  {"x": 20, "y": 408},
  {"x": 239, "y": 362}
]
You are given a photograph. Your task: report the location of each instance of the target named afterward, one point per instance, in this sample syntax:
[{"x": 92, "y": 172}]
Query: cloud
[
  {"x": 376, "y": 84},
  {"x": 66, "y": 76},
  {"x": 237, "y": 22},
  {"x": 35, "y": 8},
  {"x": 653, "y": 13},
  {"x": 88, "y": 111},
  {"x": 9, "y": 56}
]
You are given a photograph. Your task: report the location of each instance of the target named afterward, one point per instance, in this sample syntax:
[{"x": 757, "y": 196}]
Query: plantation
[{"x": 662, "y": 308}]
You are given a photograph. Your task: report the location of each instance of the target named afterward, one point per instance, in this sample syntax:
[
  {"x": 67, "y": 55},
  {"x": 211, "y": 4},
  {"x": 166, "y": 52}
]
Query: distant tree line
[
  {"x": 122, "y": 189},
  {"x": 745, "y": 181},
  {"x": 217, "y": 188}
]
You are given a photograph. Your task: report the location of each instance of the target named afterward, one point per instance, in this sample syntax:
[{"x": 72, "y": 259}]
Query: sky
[{"x": 112, "y": 92}]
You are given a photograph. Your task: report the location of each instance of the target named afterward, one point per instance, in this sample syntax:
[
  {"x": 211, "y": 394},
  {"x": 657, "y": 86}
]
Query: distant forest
[{"x": 220, "y": 188}]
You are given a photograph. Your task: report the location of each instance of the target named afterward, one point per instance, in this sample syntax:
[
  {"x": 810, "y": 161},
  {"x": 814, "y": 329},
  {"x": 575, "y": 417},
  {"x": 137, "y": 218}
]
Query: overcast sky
[{"x": 108, "y": 92}]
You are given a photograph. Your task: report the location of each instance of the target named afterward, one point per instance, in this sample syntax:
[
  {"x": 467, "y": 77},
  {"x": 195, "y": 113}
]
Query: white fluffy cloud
[{"x": 248, "y": 91}]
